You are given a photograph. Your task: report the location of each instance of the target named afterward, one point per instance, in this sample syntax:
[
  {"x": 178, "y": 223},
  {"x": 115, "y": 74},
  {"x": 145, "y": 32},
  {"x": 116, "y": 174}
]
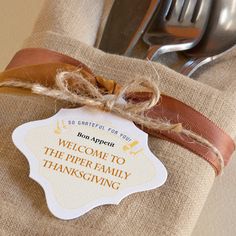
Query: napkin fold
[{"x": 70, "y": 27}]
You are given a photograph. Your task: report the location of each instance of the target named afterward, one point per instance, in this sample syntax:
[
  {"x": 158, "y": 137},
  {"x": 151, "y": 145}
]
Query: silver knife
[{"x": 126, "y": 24}]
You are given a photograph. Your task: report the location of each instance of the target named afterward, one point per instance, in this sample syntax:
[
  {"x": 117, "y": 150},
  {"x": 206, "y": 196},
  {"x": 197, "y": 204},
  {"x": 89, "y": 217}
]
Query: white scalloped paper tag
[{"x": 84, "y": 158}]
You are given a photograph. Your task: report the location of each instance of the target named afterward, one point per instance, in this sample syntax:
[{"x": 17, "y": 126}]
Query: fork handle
[
  {"x": 153, "y": 52},
  {"x": 193, "y": 64}
]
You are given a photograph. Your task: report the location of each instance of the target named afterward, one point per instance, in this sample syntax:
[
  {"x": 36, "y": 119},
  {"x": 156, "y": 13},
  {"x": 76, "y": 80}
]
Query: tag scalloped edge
[{"x": 55, "y": 208}]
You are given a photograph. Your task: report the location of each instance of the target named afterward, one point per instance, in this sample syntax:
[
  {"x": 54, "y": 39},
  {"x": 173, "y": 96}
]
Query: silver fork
[{"x": 176, "y": 26}]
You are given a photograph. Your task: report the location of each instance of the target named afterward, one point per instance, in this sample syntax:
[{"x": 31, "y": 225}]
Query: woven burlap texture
[{"x": 172, "y": 209}]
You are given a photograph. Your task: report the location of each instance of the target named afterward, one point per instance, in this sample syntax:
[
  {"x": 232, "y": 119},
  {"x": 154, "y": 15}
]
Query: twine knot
[{"x": 108, "y": 104}]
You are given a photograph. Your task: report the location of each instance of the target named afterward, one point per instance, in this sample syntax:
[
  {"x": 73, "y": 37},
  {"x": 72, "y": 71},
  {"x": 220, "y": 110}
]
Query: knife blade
[{"x": 125, "y": 25}]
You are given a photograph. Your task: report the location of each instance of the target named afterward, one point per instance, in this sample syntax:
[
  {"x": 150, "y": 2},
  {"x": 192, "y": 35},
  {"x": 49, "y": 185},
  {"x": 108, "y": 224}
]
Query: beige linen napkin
[
  {"x": 173, "y": 209},
  {"x": 218, "y": 215}
]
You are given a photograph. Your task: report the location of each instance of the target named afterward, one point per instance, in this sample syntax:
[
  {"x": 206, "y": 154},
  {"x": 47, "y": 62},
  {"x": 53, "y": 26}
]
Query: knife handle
[{"x": 138, "y": 33}]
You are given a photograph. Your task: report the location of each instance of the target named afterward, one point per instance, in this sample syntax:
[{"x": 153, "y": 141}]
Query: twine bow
[{"x": 75, "y": 88}]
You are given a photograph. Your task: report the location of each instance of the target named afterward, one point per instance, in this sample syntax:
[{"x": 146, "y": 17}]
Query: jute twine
[{"x": 83, "y": 92}]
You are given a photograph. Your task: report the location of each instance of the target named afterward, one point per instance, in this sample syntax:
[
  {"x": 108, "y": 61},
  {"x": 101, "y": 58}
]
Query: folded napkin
[{"x": 172, "y": 209}]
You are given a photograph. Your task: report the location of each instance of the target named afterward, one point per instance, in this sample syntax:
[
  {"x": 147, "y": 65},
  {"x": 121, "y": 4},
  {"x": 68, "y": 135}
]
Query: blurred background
[{"x": 17, "y": 19}]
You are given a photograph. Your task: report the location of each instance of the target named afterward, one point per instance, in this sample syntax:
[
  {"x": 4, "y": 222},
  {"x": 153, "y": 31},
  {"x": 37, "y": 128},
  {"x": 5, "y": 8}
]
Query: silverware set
[{"x": 200, "y": 31}]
